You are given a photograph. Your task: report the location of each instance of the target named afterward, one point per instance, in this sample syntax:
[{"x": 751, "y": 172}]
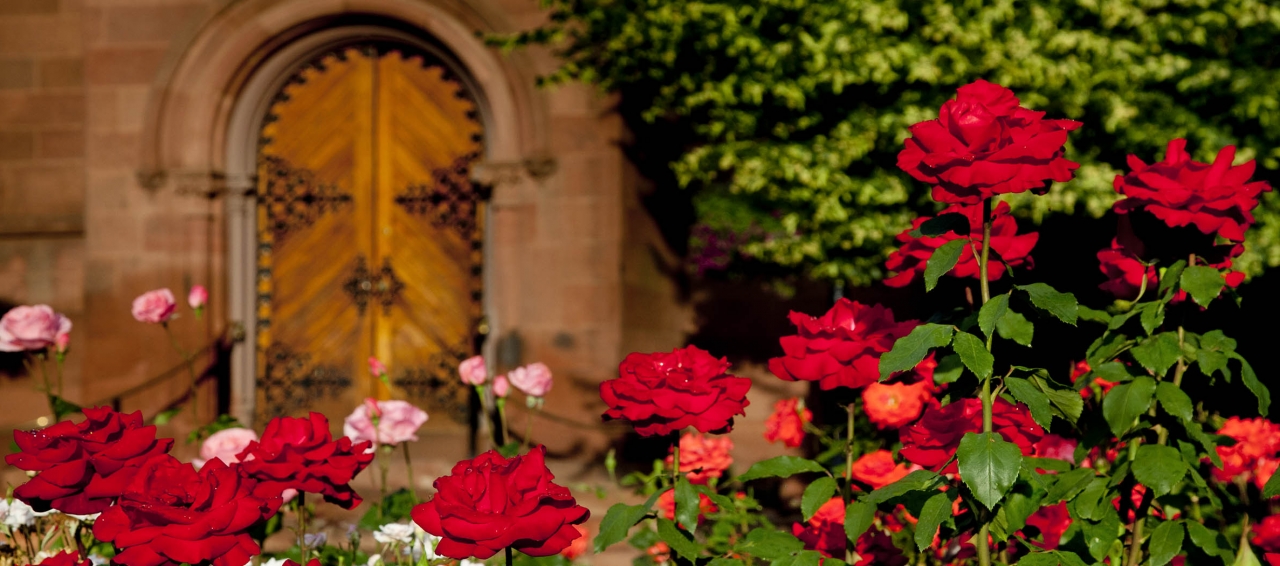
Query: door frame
[{"x": 243, "y": 132}]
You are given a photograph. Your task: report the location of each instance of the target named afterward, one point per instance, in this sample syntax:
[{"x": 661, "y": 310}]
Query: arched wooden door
[{"x": 369, "y": 236}]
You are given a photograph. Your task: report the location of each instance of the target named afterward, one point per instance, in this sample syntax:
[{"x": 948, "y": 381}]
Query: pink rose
[
  {"x": 197, "y": 297},
  {"x": 501, "y": 386},
  {"x": 398, "y": 421},
  {"x": 473, "y": 371},
  {"x": 376, "y": 367},
  {"x": 154, "y": 306},
  {"x": 225, "y": 445},
  {"x": 31, "y": 328},
  {"x": 62, "y": 341},
  {"x": 533, "y": 380}
]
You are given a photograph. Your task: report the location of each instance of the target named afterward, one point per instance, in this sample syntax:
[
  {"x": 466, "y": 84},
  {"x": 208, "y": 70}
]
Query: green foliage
[
  {"x": 791, "y": 112},
  {"x": 910, "y": 349},
  {"x": 393, "y": 508},
  {"x": 943, "y": 259},
  {"x": 817, "y": 493},
  {"x": 989, "y": 464},
  {"x": 782, "y": 466}
]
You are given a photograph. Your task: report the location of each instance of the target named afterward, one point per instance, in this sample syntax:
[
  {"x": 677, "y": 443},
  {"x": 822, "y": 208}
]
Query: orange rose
[
  {"x": 667, "y": 505},
  {"x": 787, "y": 423},
  {"x": 892, "y": 405},
  {"x": 878, "y": 469},
  {"x": 578, "y": 547},
  {"x": 703, "y": 456}
]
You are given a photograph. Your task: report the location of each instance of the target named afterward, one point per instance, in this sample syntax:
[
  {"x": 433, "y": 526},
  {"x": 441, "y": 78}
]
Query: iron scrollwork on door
[
  {"x": 289, "y": 383},
  {"x": 364, "y": 285},
  {"x": 437, "y": 386},
  {"x": 293, "y": 198},
  {"x": 450, "y": 200}
]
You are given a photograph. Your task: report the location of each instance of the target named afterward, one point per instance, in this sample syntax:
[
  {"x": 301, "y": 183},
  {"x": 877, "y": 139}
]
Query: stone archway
[{"x": 209, "y": 103}]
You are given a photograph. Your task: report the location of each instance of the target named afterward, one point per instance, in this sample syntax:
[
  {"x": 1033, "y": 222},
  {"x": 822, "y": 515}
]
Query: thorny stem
[
  {"x": 408, "y": 467},
  {"x": 848, "y": 477},
  {"x": 984, "y": 544},
  {"x": 302, "y": 527},
  {"x": 502, "y": 417}
]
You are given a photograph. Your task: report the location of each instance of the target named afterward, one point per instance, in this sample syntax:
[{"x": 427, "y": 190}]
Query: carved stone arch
[{"x": 212, "y": 92}]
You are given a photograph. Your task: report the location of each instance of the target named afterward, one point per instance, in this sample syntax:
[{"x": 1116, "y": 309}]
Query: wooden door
[{"x": 369, "y": 237}]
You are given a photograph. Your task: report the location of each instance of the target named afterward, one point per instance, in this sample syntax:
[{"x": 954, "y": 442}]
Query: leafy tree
[{"x": 790, "y": 113}]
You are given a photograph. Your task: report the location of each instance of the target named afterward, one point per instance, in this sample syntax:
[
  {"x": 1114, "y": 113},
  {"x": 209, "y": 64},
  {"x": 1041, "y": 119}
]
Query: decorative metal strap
[{"x": 382, "y": 286}]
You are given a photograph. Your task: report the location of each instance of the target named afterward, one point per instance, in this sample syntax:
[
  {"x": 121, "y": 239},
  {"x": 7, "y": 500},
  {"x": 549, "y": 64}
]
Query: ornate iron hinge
[{"x": 364, "y": 285}]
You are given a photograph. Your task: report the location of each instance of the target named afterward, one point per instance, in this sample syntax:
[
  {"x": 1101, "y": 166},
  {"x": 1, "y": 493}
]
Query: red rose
[
  {"x": 703, "y": 457},
  {"x": 491, "y": 503},
  {"x": 1273, "y": 559},
  {"x": 877, "y": 548},
  {"x": 1124, "y": 270},
  {"x": 68, "y": 558},
  {"x": 661, "y": 393},
  {"x": 1057, "y": 448},
  {"x": 878, "y": 469},
  {"x": 1008, "y": 247},
  {"x": 1256, "y": 439},
  {"x": 933, "y": 439},
  {"x": 984, "y": 144},
  {"x": 1215, "y": 198},
  {"x": 892, "y": 405},
  {"x": 1266, "y": 535},
  {"x": 840, "y": 349},
  {"x": 787, "y": 423},
  {"x": 1053, "y": 521},
  {"x": 171, "y": 514},
  {"x": 83, "y": 467},
  {"x": 297, "y": 453},
  {"x": 824, "y": 532}
]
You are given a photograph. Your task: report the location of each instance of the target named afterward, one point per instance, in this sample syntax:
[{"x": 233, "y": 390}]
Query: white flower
[
  {"x": 85, "y": 518},
  {"x": 99, "y": 560},
  {"x": 375, "y": 560},
  {"x": 19, "y": 514},
  {"x": 314, "y": 540},
  {"x": 394, "y": 533},
  {"x": 273, "y": 562}
]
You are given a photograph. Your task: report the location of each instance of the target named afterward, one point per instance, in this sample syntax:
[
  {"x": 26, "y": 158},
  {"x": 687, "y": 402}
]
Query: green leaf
[
  {"x": 805, "y": 558},
  {"x": 936, "y": 509},
  {"x": 1091, "y": 503},
  {"x": 1069, "y": 485},
  {"x": 1069, "y": 558},
  {"x": 1205, "y": 440},
  {"x": 914, "y": 481},
  {"x": 1100, "y": 536},
  {"x": 1125, "y": 402},
  {"x": 680, "y": 544},
  {"x": 1157, "y": 353},
  {"x": 858, "y": 517},
  {"x": 1203, "y": 283},
  {"x": 1166, "y": 542},
  {"x": 1170, "y": 276},
  {"x": 1050, "y": 300},
  {"x": 942, "y": 224},
  {"x": 165, "y": 416},
  {"x": 1152, "y": 316},
  {"x": 1093, "y": 315},
  {"x": 912, "y": 348},
  {"x": 818, "y": 492},
  {"x": 780, "y": 467},
  {"x": 618, "y": 520},
  {"x": 991, "y": 313},
  {"x": 974, "y": 354},
  {"x": 63, "y": 407},
  {"x": 1207, "y": 541},
  {"x": 989, "y": 465},
  {"x": 395, "y": 507},
  {"x": 1250, "y": 380},
  {"x": 769, "y": 544},
  {"x": 1213, "y": 362},
  {"x": 949, "y": 369},
  {"x": 1014, "y": 326},
  {"x": 1115, "y": 372},
  {"x": 1039, "y": 559},
  {"x": 1035, "y": 399},
  {"x": 1272, "y": 488},
  {"x": 1246, "y": 557},
  {"x": 943, "y": 260},
  {"x": 1158, "y": 467},
  {"x": 721, "y": 561},
  {"x": 687, "y": 503},
  {"x": 1174, "y": 400}
]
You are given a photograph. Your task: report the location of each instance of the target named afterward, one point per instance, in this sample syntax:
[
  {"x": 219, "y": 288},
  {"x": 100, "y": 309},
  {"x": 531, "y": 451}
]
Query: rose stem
[
  {"x": 408, "y": 467},
  {"x": 384, "y": 468},
  {"x": 675, "y": 471},
  {"x": 302, "y": 526},
  {"x": 528, "y": 425},
  {"x": 48, "y": 390},
  {"x": 848, "y": 478},
  {"x": 508, "y": 556},
  {"x": 187, "y": 360},
  {"x": 501, "y": 403},
  {"x": 984, "y": 533}
]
